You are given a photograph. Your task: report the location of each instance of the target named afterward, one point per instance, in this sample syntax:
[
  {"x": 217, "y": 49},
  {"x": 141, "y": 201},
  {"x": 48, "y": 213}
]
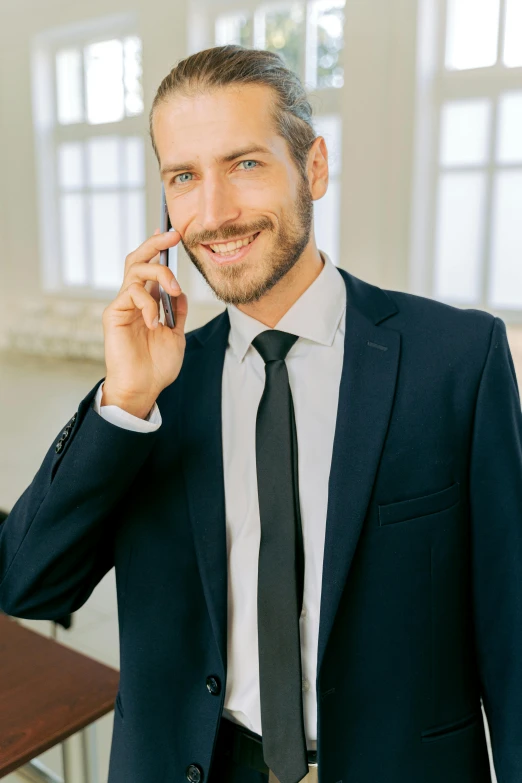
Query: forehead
[{"x": 205, "y": 125}]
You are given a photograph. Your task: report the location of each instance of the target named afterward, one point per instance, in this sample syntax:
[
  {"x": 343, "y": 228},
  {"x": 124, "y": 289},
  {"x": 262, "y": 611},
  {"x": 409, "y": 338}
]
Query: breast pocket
[{"x": 422, "y": 506}]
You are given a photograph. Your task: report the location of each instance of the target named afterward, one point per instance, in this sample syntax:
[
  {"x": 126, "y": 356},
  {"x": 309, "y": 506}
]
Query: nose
[{"x": 217, "y": 205}]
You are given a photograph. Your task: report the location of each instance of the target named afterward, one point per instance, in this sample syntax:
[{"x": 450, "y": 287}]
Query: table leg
[
  {"x": 67, "y": 760},
  {"x": 89, "y": 754}
]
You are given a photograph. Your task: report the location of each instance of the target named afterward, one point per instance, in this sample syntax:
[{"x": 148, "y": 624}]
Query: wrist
[{"x": 135, "y": 404}]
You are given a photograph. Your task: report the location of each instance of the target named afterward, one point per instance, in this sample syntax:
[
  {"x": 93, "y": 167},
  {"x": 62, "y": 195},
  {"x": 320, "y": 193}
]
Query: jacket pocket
[
  {"x": 390, "y": 513},
  {"x": 119, "y": 705},
  {"x": 447, "y": 729}
]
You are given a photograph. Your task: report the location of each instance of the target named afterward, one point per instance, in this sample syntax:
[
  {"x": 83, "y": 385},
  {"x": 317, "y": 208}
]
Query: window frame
[
  {"x": 489, "y": 82},
  {"x": 49, "y": 133}
]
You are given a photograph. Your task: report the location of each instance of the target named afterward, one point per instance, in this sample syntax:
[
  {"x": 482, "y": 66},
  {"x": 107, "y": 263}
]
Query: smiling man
[
  {"x": 313, "y": 502},
  {"x": 255, "y": 195}
]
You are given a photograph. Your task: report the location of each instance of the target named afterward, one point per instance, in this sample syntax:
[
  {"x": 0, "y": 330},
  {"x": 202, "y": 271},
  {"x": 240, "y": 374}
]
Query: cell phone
[{"x": 166, "y": 300}]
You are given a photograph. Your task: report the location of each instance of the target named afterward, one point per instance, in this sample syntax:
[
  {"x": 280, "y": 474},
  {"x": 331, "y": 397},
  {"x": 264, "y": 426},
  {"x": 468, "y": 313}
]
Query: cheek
[{"x": 183, "y": 208}]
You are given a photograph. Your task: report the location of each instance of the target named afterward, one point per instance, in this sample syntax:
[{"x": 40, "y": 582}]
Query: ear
[{"x": 318, "y": 168}]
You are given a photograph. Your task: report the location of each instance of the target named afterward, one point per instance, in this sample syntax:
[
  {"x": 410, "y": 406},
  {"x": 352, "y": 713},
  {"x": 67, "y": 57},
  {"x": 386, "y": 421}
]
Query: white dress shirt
[{"x": 314, "y": 365}]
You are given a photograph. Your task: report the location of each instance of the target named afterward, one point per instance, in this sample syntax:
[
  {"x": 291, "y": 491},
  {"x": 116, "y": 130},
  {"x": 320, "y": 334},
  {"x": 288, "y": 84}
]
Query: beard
[{"x": 243, "y": 284}]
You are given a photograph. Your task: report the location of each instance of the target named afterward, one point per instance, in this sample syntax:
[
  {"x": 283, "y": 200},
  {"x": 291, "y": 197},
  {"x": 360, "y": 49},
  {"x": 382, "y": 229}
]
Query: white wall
[{"x": 378, "y": 121}]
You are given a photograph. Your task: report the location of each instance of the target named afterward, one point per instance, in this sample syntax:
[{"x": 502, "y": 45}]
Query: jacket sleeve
[
  {"x": 496, "y": 550},
  {"x": 58, "y": 540}
]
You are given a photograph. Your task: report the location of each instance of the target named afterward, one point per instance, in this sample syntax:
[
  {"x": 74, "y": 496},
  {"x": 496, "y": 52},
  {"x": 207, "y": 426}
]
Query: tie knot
[{"x": 274, "y": 344}]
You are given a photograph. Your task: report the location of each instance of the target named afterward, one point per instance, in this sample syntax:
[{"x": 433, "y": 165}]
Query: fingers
[
  {"x": 135, "y": 297},
  {"x": 151, "y": 286},
  {"x": 143, "y": 272},
  {"x": 148, "y": 249}
]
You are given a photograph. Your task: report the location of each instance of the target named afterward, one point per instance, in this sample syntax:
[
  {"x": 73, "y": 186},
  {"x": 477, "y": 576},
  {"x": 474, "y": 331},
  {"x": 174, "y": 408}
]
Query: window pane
[
  {"x": 284, "y": 34},
  {"x": 134, "y": 161},
  {"x": 459, "y": 237},
  {"x": 506, "y": 252},
  {"x": 132, "y": 75},
  {"x": 513, "y": 35},
  {"x": 329, "y": 126},
  {"x": 134, "y": 209},
  {"x": 107, "y": 255},
  {"x": 326, "y": 220},
  {"x": 509, "y": 140},
  {"x": 72, "y": 230},
  {"x": 104, "y": 81},
  {"x": 464, "y": 136},
  {"x": 69, "y": 86},
  {"x": 236, "y": 29},
  {"x": 330, "y": 23},
  {"x": 103, "y": 163},
  {"x": 70, "y": 165},
  {"x": 471, "y": 34}
]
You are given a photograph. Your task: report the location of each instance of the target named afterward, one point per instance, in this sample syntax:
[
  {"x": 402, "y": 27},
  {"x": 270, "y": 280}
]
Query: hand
[{"x": 142, "y": 355}]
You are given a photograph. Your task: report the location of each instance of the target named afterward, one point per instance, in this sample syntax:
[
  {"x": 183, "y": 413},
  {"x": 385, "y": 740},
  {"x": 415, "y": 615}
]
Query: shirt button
[{"x": 306, "y": 685}]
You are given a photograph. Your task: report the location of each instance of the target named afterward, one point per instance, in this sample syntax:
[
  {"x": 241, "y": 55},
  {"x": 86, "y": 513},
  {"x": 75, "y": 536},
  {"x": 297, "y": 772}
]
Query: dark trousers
[{"x": 227, "y": 769}]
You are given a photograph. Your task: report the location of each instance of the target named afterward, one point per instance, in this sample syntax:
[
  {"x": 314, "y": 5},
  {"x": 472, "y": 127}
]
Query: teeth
[{"x": 231, "y": 247}]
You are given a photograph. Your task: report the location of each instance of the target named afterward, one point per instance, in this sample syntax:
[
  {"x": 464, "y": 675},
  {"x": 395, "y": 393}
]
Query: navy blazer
[{"x": 421, "y": 604}]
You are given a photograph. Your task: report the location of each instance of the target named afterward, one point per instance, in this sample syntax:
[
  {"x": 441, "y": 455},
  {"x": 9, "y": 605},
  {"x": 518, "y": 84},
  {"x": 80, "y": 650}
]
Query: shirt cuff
[{"x": 124, "y": 419}]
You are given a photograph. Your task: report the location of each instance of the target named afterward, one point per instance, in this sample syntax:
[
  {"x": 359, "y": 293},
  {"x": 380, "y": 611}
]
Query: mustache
[{"x": 228, "y": 233}]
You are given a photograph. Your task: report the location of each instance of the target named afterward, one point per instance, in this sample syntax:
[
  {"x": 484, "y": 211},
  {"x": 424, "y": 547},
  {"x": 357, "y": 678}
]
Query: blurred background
[{"x": 420, "y": 104}]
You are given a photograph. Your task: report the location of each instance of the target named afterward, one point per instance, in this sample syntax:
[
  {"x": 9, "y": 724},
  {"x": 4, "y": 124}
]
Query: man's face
[{"x": 215, "y": 201}]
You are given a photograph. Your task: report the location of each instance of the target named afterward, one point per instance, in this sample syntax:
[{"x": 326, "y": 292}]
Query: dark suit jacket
[{"x": 421, "y": 607}]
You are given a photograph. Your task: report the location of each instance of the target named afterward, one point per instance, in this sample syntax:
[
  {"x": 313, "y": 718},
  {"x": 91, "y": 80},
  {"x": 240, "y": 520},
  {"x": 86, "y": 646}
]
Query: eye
[
  {"x": 248, "y": 161},
  {"x": 185, "y": 174}
]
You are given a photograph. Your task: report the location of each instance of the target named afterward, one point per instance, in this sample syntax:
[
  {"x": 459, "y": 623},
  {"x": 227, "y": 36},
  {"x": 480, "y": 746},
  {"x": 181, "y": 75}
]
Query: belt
[{"x": 246, "y": 747}]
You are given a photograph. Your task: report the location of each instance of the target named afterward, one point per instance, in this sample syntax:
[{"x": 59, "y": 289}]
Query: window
[
  {"x": 477, "y": 232},
  {"x": 308, "y": 36},
  {"x": 88, "y": 103}
]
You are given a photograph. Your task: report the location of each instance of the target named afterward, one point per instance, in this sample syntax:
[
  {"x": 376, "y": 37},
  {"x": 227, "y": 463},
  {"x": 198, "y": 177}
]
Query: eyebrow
[{"x": 173, "y": 167}]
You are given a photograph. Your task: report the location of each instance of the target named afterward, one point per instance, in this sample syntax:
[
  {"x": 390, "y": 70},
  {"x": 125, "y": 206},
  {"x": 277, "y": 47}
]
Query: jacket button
[
  {"x": 194, "y": 773},
  {"x": 213, "y": 685}
]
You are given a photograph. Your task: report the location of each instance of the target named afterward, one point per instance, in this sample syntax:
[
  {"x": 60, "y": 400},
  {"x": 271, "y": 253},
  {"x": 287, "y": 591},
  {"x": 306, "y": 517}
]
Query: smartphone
[{"x": 166, "y": 300}]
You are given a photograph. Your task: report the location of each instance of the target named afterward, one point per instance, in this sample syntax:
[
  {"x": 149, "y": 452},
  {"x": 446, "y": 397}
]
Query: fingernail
[
  {"x": 174, "y": 285},
  {"x": 155, "y": 322}
]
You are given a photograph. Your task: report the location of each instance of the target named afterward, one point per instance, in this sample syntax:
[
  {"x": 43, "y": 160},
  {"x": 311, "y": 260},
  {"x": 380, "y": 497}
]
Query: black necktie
[{"x": 281, "y": 567}]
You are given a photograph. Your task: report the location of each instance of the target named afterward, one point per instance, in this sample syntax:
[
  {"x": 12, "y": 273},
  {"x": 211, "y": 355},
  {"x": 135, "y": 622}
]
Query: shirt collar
[{"x": 314, "y": 316}]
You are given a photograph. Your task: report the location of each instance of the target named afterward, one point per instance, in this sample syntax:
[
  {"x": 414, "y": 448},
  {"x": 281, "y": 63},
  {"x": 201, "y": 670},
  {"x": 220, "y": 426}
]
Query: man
[{"x": 313, "y": 502}]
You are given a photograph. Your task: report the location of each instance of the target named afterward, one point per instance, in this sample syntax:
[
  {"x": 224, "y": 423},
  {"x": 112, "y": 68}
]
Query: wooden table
[{"x": 47, "y": 693}]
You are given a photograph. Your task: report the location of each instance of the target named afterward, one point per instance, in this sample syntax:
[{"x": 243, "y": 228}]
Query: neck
[{"x": 271, "y": 308}]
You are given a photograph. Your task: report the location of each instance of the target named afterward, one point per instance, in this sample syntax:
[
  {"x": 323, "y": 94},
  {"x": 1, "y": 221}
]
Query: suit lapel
[
  {"x": 203, "y": 465},
  {"x": 365, "y": 400}
]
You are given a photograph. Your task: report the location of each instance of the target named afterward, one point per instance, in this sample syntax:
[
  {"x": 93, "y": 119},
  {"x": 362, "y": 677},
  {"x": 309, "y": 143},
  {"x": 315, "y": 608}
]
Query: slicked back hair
[{"x": 221, "y": 66}]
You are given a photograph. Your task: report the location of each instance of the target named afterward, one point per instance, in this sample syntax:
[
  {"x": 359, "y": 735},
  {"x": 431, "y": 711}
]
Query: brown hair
[{"x": 221, "y": 66}]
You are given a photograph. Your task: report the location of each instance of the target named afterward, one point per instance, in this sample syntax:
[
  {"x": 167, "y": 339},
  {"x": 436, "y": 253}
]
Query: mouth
[{"x": 222, "y": 259}]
